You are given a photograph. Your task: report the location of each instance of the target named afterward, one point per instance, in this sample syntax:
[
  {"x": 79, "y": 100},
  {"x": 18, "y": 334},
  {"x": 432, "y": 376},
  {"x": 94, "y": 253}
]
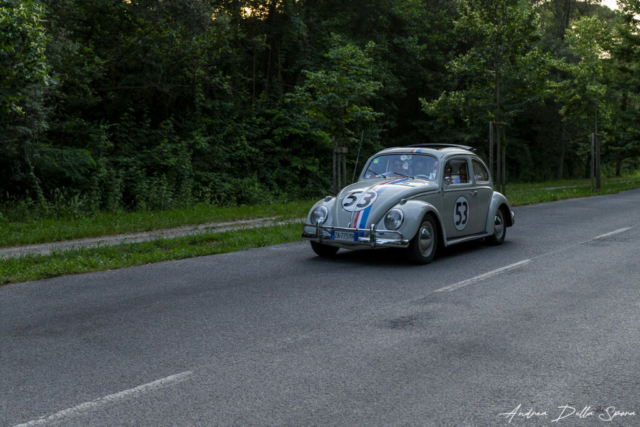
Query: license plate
[{"x": 344, "y": 235}]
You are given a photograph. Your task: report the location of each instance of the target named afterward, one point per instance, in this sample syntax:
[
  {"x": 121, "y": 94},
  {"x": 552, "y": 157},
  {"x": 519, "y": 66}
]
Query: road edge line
[{"x": 88, "y": 406}]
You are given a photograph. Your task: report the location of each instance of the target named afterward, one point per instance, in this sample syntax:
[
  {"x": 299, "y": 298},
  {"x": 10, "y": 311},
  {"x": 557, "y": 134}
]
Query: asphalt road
[{"x": 277, "y": 336}]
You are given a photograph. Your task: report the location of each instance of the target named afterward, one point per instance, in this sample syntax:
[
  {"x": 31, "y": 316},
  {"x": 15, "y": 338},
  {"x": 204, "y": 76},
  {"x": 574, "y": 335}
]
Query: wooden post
[
  {"x": 504, "y": 171},
  {"x": 333, "y": 152},
  {"x": 339, "y": 157},
  {"x": 597, "y": 138},
  {"x": 491, "y": 148},
  {"x": 344, "y": 166},
  {"x": 593, "y": 143},
  {"x": 498, "y": 168},
  {"x": 339, "y": 168}
]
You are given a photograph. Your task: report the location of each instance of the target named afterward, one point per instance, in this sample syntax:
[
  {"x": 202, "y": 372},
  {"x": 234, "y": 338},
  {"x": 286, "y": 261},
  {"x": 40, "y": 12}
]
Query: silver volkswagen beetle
[{"x": 419, "y": 198}]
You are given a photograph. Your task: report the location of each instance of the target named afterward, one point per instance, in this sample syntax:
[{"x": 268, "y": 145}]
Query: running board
[{"x": 466, "y": 239}]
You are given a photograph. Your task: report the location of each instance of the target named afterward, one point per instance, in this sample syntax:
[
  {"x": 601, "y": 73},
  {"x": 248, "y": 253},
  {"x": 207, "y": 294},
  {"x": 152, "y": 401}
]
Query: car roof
[{"x": 439, "y": 152}]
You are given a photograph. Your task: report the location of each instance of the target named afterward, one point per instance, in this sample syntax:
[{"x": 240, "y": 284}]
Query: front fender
[
  {"x": 327, "y": 202},
  {"x": 498, "y": 200},
  {"x": 414, "y": 211}
]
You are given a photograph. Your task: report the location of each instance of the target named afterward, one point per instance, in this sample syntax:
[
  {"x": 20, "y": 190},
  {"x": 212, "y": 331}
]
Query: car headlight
[
  {"x": 393, "y": 220},
  {"x": 319, "y": 215}
]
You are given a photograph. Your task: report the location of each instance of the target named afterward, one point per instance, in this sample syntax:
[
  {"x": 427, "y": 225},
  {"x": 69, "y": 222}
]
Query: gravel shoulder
[{"x": 119, "y": 239}]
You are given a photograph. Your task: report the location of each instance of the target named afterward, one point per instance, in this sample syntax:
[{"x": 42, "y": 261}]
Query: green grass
[
  {"x": 527, "y": 194},
  {"x": 572, "y": 182},
  {"x": 36, "y": 267},
  {"x": 105, "y": 223}
]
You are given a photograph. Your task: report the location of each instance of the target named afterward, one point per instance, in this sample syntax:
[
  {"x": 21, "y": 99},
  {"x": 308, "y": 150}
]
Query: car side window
[
  {"x": 480, "y": 172},
  {"x": 457, "y": 170}
]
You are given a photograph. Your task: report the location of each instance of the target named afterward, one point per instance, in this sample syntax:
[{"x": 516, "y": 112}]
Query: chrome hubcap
[
  {"x": 426, "y": 240},
  {"x": 498, "y": 227}
]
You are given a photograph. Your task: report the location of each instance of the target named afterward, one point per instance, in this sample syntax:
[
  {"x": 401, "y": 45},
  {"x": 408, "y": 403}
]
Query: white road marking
[
  {"x": 482, "y": 276},
  {"x": 87, "y": 406},
  {"x": 620, "y": 230},
  {"x": 520, "y": 264}
]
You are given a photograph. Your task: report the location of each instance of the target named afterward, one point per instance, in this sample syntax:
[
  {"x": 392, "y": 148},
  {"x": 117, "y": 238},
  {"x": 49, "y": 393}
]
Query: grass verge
[
  {"x": 32, "y": 267},
  {"x": 105, "y": 223},
  {"x": 528, "y": 194}
]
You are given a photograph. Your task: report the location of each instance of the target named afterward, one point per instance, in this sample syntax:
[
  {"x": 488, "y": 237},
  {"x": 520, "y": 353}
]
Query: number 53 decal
[
  {"x": 356, "y": 201},
  {"x": 461, "y": 213}
]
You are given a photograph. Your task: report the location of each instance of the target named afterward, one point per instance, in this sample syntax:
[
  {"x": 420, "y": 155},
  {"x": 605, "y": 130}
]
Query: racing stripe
[
  {"x": 355, "y": 223},
  {"x": 378, "y": 189}
]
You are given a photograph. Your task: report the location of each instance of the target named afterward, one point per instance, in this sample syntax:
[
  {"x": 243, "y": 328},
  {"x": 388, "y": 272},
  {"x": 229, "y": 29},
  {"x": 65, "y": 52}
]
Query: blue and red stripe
[{"x": 365, "y": 213}]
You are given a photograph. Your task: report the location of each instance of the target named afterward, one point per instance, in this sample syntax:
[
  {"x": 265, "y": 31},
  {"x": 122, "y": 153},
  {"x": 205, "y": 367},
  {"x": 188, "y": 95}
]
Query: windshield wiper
[
  {"x": 401, "y": 174},
  {"x": 375, "y": 173}
]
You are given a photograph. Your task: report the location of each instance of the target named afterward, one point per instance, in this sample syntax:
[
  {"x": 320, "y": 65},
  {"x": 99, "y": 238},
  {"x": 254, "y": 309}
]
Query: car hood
[{"x": 389, "y": 191}]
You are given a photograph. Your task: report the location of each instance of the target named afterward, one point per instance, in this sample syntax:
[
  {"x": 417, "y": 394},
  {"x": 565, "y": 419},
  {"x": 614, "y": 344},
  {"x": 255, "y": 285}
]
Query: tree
[
  {"x": 625, "y": 58},
  {"x": 589, "y": 41},
  {"x": 584, "y": 94},
  {"x": 501, "y": 72},
  {"x": 335, "y": 97},
  {"x": 558, "y": 14},
  {"x": 22, "y": 50}
]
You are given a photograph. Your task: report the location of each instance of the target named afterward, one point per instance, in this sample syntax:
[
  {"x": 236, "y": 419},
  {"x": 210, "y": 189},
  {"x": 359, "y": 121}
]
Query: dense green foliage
[{"x": 157, "y": 104}]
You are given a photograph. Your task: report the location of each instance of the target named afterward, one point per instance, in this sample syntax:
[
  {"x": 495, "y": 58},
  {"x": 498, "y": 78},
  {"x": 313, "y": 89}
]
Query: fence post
[
  {"x": 344, "y": 166},
  {"x": 504, "y": 170},
  {"x": 491, "y": 148},
  {"x": 597, "y": 162},
  {"x": 334, "y": 165},
  {"x": 499, "y": 168},
  {"x": 593, "y": 148}
]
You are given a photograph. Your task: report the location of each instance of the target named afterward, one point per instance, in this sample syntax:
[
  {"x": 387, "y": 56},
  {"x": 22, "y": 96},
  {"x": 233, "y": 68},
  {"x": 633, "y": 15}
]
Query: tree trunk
[
  {"x": 560, "y": 170},
  {"x": 588, "y": 165},
  {"x": 567, "y": 16},
  {"x": 619, "y": 166}
]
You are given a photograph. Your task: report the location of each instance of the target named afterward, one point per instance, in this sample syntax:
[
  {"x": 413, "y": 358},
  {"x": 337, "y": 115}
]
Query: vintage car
[{"x": 419, "y": 198}]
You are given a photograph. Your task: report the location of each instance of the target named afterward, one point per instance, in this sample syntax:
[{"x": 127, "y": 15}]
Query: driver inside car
[
  {"x": 462, "y": 177},
  {"x": 397, "y": 167},
  {"x": 420, "y": 168}
]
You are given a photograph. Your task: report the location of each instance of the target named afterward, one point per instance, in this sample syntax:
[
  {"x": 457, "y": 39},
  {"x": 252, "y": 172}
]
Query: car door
[
  {"x": 459, "y": 204},
  {"x": 484, "y": 194}
]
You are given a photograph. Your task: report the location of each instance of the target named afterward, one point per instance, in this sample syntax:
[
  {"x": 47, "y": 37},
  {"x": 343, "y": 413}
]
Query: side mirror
[{"x": 447, "y": 180}]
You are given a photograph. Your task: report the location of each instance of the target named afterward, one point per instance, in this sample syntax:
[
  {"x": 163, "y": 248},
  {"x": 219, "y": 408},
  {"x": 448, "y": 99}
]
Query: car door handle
[{"x": 473, "y": 192}]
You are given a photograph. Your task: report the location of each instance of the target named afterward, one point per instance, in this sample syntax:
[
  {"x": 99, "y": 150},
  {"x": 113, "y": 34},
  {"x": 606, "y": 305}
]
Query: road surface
[{"x": 520, "y": 334}]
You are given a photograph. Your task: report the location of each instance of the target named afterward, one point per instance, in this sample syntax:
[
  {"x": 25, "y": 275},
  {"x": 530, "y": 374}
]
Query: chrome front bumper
[{"x": 370, "y": 236}]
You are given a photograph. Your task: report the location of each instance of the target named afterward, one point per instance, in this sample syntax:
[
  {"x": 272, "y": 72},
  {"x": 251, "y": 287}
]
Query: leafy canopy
[
  {"x": 22, "y": 50},
  {"x": 503, "y": 68},
  {"x": 336, "y": 96}
]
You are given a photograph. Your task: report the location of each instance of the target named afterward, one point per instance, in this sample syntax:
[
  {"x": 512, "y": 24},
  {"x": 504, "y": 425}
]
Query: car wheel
[
  {"x": 499, "y": 229},
  {"x": 324, "y": 250},
  {"x": 424, "y": 245}
]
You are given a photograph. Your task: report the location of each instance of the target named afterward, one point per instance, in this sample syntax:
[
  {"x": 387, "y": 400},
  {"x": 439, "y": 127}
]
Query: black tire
[
  {"x": 324, "y": 251},
  {"x": 499, "y": 230},
  {"x": 423, "y": 247}
]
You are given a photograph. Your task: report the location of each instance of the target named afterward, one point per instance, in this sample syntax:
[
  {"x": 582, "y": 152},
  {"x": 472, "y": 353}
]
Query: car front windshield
[{"x": 413, "y": 165}]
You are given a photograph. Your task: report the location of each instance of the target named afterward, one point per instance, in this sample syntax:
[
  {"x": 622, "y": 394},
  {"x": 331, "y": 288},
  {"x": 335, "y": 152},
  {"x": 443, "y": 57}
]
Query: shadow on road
[{"x": 398, "y": 257}]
